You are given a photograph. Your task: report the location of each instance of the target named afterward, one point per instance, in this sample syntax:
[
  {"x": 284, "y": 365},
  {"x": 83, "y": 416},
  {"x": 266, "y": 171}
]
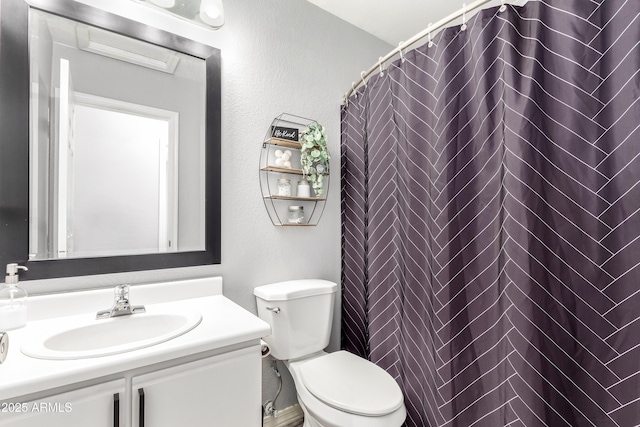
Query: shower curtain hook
[
  {"x": 401, "y": 54},
  {"x": 353, "y": 90},
  {"x": 503, "y": 7},
  {"x": 381, "y": 63},
  {"x": 430, "y": 39},
  {"x": 464, "y": 17},
  {"x": 363, "y": 78}
]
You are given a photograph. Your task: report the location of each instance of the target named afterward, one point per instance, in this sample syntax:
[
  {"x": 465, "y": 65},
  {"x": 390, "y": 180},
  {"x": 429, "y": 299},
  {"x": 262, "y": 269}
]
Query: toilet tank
[{"x": 300, "y": 313}]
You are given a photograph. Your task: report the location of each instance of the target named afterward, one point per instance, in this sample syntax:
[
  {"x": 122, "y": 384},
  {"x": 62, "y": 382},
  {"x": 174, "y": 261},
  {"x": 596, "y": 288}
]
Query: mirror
[
  {"x": 116, "y": 143},
  {"x": 123, "y": 142}
]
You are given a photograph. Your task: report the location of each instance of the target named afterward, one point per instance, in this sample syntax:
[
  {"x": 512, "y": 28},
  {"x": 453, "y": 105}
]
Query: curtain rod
[{"x": 424, "y": 33}]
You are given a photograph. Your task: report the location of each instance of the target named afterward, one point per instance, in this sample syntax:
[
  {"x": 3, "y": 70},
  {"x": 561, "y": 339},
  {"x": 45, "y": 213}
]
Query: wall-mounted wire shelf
[{"x": 273, "y": 147}]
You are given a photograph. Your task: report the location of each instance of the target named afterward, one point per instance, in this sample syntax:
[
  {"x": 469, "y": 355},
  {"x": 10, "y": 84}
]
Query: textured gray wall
[{"x": 277, "y": 56}]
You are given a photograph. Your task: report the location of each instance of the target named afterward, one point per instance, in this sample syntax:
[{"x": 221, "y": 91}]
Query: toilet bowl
[
  {"x": 336, "y": 389},
  {"x": 338, "y": 392}
]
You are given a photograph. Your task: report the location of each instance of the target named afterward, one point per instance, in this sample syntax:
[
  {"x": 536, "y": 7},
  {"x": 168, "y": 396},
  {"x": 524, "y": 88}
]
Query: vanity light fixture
[
  {"x": 212, "y": 13},
  {"x": 204, "y": 12}
]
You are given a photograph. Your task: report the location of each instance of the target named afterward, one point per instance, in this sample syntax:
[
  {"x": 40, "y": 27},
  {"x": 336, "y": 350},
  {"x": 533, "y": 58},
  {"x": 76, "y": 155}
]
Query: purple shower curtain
[{"x": 491, "y": 219}]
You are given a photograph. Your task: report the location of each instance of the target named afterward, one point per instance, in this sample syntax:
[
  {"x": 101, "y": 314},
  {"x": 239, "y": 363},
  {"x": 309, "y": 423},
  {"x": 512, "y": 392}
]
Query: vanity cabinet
[
  {"x": 222, "y": 390},
  {"x": 219, "y": 391},
  {"x": 282, "y": 139},
  {"x": 96, "y": 406}
]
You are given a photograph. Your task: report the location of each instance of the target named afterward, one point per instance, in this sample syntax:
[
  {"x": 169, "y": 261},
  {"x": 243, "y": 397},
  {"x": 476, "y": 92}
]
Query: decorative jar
[
  {"x": 284, "y": 187},
  {"x": 295, "y": 214},
  {"x": 304, "y": 189}
]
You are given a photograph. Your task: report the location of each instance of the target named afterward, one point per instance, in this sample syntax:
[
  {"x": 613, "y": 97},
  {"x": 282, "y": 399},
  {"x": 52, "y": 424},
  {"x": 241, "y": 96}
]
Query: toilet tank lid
[{"x": 293, "y": 289}]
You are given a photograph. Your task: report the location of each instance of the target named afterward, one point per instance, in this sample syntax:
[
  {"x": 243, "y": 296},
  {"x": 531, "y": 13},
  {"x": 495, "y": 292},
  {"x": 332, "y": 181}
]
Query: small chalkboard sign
[{"x": 290, "y": 134}]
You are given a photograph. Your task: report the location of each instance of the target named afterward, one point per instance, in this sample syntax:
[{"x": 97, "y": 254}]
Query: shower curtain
[{"x": 491, "y": 219}]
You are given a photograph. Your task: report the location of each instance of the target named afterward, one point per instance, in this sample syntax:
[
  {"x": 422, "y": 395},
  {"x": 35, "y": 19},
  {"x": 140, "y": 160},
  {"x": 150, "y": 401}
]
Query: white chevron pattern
[{"x": 491, "y": 219}]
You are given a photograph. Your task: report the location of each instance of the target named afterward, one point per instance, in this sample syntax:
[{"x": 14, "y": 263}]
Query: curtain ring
[
  {"x": 429, "y": 34},
  {"x": 353, "y": 90},
  {"x": 401, "y": 54},
  {"x": 503, "y": 7},
  {"x": 464, "y": 17},
  {"x": 380, "y": 62},
  {"x": 363, "y": 78}
]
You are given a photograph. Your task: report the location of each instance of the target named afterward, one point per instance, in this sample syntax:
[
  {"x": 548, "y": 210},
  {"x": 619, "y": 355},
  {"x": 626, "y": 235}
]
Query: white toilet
[{"x": 334, "y": 389}]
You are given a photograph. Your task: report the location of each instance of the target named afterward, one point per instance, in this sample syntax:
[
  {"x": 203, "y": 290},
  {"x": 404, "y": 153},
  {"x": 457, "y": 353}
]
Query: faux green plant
[{"x": 314, "y": 156}]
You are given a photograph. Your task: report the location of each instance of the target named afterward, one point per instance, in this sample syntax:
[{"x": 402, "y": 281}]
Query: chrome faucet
[{"x": 121, "y": 306}]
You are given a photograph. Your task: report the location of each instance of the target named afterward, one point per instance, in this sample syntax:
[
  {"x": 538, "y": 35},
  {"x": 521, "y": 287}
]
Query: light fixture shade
[
  {"x": 212, "y": 13},
  {"x": 164, "y": 3}
]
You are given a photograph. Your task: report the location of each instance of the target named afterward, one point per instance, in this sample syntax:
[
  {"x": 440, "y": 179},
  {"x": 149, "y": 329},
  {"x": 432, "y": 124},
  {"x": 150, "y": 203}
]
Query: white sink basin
[{"x": 66, "y": 340}]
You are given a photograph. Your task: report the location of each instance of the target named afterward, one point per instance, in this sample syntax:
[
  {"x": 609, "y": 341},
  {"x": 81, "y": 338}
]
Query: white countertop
[{"x": 223, "y": 324}]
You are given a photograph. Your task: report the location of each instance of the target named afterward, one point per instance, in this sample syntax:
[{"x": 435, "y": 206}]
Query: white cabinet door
[
  {"x": 221, "y": 391},
  {"x": 101, "y": 405}
]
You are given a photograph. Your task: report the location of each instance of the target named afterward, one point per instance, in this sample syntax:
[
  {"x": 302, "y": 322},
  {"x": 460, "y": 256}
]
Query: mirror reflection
[{"x": 117, "y": 144}]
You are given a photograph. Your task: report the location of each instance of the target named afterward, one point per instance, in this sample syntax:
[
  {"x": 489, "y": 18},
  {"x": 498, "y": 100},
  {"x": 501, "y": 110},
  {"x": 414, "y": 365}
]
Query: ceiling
[{"x": 397, "y": 20}]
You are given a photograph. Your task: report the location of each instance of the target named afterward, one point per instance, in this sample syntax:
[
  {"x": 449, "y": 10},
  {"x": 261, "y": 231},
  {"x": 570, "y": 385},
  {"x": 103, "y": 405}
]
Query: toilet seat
[{"x": 351, "y": 384}]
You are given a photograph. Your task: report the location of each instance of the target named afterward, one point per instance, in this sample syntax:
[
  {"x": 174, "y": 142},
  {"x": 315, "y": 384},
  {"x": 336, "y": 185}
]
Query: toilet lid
[{"x": 352, "y": 384}]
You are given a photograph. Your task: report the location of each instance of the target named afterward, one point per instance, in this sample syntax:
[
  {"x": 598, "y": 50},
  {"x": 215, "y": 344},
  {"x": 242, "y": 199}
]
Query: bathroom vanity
[{"x": 210, "y": 374}]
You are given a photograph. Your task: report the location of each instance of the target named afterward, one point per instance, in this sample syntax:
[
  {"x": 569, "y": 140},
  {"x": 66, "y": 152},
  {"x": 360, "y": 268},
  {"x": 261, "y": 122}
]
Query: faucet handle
[
  {"x": 121, "y": 305},
  {"x": 121, "y": 290}
]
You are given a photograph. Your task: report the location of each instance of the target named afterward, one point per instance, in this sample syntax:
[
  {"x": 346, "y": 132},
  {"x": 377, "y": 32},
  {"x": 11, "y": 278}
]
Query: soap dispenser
[{"x": 13, "y": 301}]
